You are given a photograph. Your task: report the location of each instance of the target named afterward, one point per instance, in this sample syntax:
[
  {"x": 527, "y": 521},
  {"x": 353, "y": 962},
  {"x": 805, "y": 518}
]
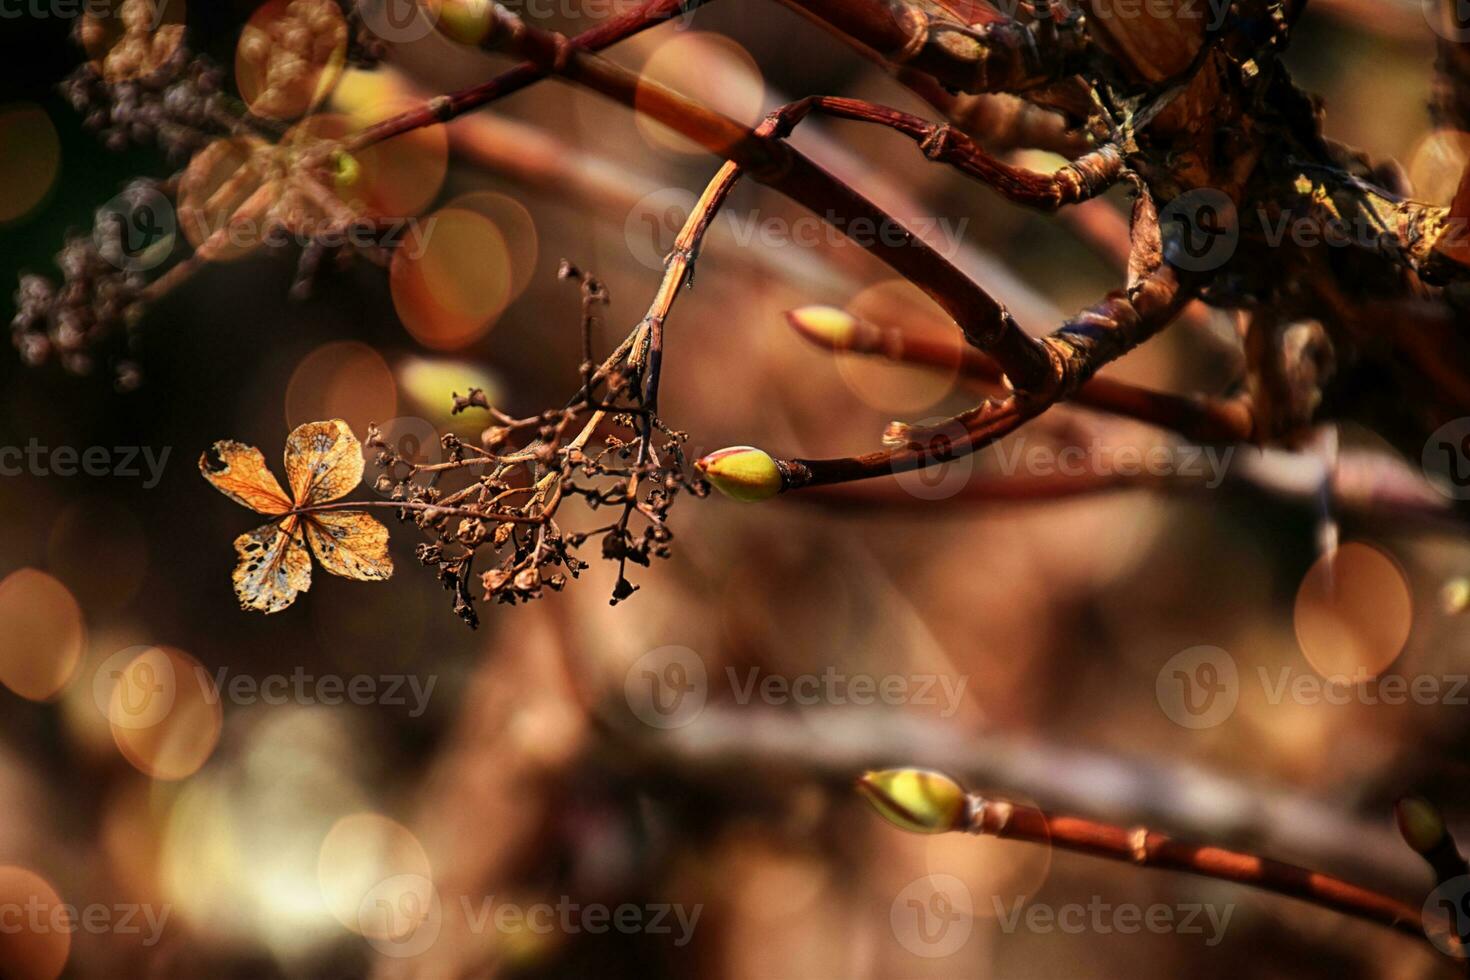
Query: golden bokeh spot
[
  {"x": 424, "y": 382},
  {"x": 36, "y": 939},
  {"x": 165, "y": 714},
  {"x": 41, "y": 634},
  {"x": 1436, "y": 163},
  {"x": 397, "y": 177},
  {"x": 516, "y": 226},
  {"x": 129, "y": 39},
  {"x": 709, "y": 68},
  {"x": 30, "y": 158},
  {"x": 451, "y": 279},
  {"x": 289, "y": 56},
  {"x": 899, "y": 389},
  {"x": 361, "y": 852},
  {"x": 345, "y": 380},
  {"x": 1353, "y": 612}
]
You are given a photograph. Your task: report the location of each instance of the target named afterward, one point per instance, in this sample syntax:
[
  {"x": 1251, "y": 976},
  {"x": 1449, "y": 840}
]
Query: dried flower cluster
[{"x": 505, "y": 535}]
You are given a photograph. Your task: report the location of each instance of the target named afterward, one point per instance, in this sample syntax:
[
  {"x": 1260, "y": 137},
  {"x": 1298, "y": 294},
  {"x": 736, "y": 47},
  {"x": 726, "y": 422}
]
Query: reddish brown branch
[
  {"x": 1151, "y": 849},
  {"x": 1079, "y": 180},
  {"x": 1197, "y": 418},
  {"x": 446, "y": 107},
  {"x": 775, "y": 163}
]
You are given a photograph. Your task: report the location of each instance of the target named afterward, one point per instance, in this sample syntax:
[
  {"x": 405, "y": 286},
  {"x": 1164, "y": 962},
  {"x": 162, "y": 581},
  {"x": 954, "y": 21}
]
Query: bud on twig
[
  {"x": 1420, "y": 823},
  {"x": 917, "y": 800},
  {"x": 825, "y": 326},
  {"x": 742, "y": 473},
  {"x": 465, "y": 21},
  {"x": 1423, "y": 828}
]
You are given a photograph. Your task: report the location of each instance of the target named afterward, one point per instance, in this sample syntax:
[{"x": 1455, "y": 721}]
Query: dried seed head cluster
[
  {"x": 90, "y": 314},
  {"x": 507, "y": 534}
]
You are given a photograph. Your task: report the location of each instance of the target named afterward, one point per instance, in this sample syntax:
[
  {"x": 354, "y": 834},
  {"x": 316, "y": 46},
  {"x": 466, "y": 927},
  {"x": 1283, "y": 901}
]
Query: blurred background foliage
[{"x": 527, "y": 778}]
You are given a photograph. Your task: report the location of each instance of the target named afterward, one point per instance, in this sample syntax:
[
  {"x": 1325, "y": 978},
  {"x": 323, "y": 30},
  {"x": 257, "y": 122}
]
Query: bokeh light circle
[
  {"x": 41, "y": 634},
  {"x": 1353, "y": 612},
  {"x": 709, "y": 68},
  {"x": 36, "y": 941},
  {"x": 289, "y": 56},
  {"x": 342, "y": 380},
  {"x": 360, "y": 852},
  {"x": 181, "y": 736},
  {"x": 451, "y": 279},
  {"x": 880, "y": 383},
  {"x": 30, "y": 159}
]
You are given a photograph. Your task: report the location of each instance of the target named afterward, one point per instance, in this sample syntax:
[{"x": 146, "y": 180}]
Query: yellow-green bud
[
  {"x": 1420, "y": 823},
  {"x": 347, "y": 169},
  {"x": 1455, "y": 596},
  {"x": 742, "y": 473},
  {"x": 825, "y": 326},
  {"x": 918, "y": 800},
  {"x": 465, "y": 21}
]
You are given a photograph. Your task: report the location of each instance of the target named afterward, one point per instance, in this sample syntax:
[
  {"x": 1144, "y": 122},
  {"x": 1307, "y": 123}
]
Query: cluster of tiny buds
[
  {"x": 95, "y": 305},
  {"x": 179, "y": 106}
]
